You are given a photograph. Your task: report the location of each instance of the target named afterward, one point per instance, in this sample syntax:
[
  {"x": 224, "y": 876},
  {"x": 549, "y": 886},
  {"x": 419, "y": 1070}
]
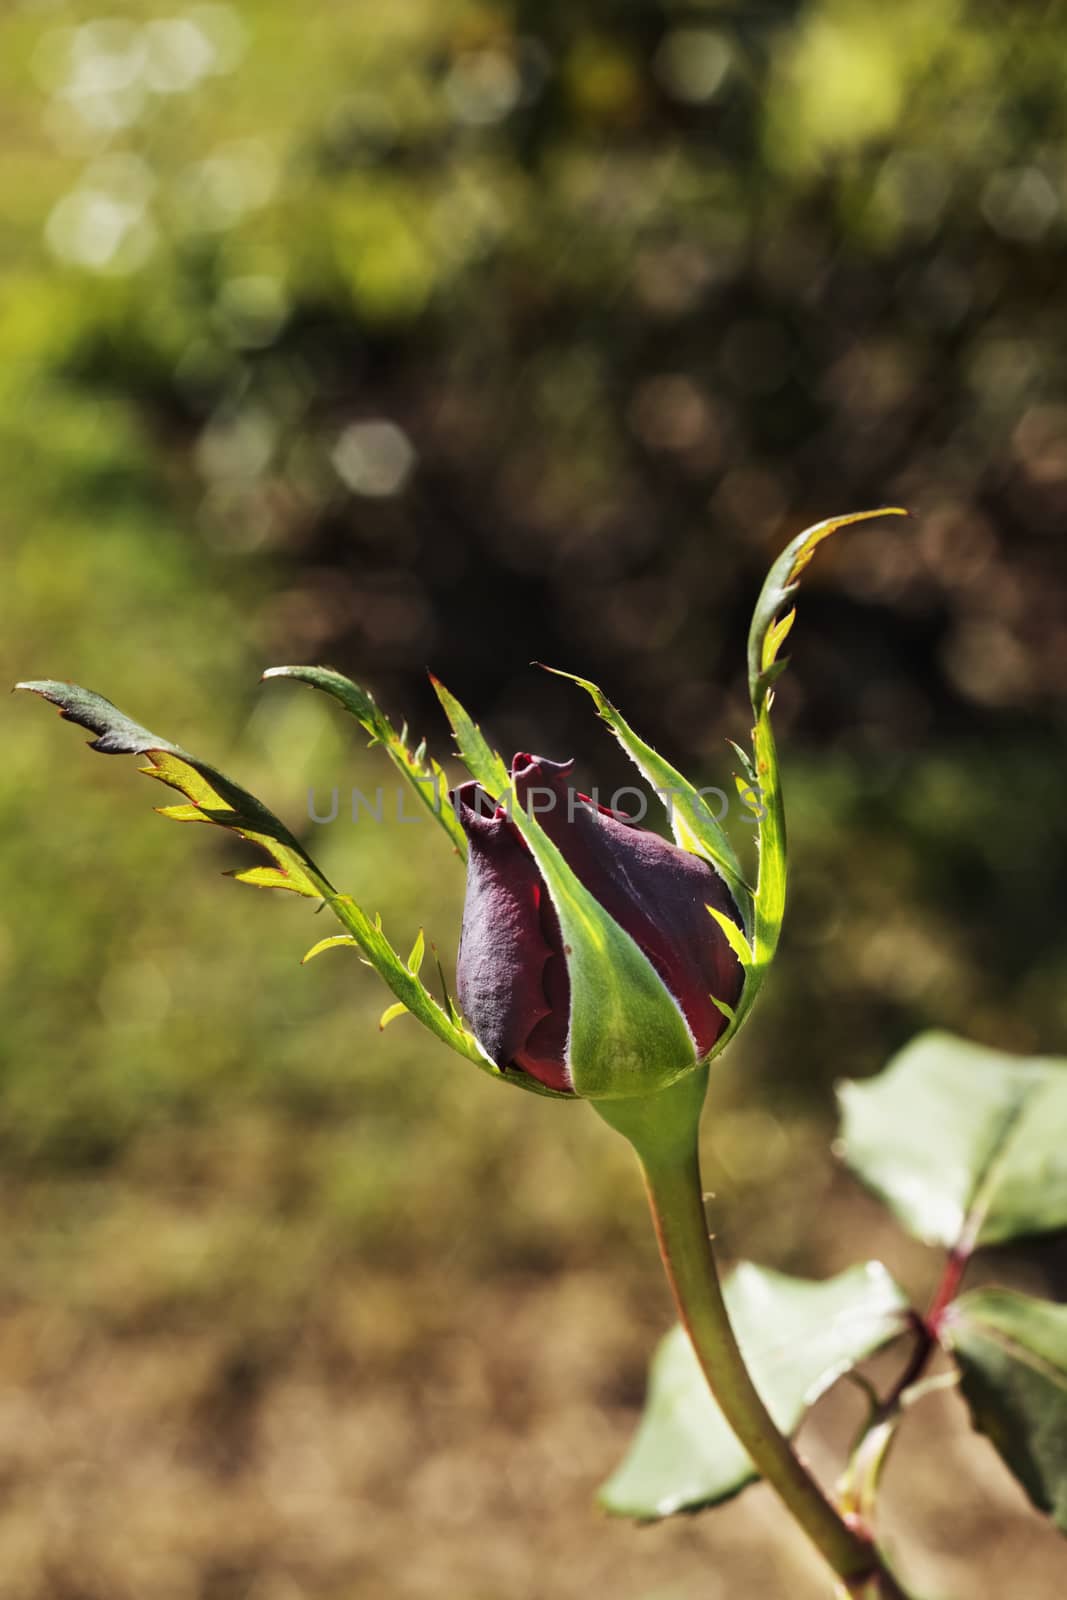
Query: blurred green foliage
[{"x": 465, "y": 335}]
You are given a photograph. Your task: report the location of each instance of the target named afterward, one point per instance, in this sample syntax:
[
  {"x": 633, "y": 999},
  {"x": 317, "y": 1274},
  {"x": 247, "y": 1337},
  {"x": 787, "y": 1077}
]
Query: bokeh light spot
[{"x": 374, "y": 458}]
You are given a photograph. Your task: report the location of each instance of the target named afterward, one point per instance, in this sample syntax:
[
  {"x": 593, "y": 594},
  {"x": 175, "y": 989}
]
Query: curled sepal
[
  {"x": 767, "y": 634},
  {"x": 769, "y": 629},
  {"x": 627, "y": 1034},
  {"x": 693, "y": 823},
  {"x": 212, "y": 797},
  {"x": 418, "y": 769}
]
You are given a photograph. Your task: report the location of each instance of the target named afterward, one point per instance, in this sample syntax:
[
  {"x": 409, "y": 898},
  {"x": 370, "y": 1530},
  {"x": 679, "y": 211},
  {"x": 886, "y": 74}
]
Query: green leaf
[
  {"x": 422, "y": 772},
  {"x": 479, "y": 758},
  {"x": 1012, "y": 1355},
  {"x": 627, "y": 1035},
  {"x": 797, "y": 1336},
  {"x": 693, "y": 823},
  {"x": 214, "y": 798},
  {"x": 965, "y": 1144}
]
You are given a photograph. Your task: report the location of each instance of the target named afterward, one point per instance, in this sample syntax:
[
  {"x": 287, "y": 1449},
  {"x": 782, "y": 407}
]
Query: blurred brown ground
[{"x": 422, "y": 1435}]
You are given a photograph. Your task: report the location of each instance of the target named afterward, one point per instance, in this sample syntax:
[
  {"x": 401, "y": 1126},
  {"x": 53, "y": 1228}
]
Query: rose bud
[{"x": 514, "y": 977}]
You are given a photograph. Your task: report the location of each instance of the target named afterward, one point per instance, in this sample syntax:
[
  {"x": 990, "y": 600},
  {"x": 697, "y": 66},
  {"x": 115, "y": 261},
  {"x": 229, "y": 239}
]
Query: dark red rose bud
[
  {"x": 509, "y": 945},
  {"x": 512, "y": 978}
]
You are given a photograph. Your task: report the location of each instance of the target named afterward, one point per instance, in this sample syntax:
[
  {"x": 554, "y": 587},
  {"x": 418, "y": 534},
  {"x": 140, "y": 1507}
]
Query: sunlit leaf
[
  {"x": 797, "y": 1336},
  {"x": 966, "y": 1145},
  {"x": 1012, "y": 1355},
  {"x": 421, "y": 772}
]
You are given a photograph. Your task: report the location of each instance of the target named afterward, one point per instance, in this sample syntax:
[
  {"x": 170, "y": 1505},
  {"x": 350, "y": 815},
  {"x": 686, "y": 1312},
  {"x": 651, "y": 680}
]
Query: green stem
[
  {"x": 663, "y": 1131},
  {"x": 859, "y": 1486}
]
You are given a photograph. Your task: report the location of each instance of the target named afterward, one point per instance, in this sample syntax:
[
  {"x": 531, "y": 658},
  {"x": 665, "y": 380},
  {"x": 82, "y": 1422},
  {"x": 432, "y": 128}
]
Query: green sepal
[
  {"x": 627, "y": 1035},
  {"x": 693, "y": 823},
  {"x": 773, "y": 860},
  {"x": 767, "y": 634},
  {"x": 768, "y": 630},
  {"x": 214, "y": 798},
  {"x": 421, "y": 772},
  {"x": 480, "y": 759}
]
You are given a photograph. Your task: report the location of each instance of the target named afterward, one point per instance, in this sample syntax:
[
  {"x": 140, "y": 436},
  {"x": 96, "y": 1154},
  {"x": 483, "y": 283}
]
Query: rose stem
[{"x": 663, "y": 1130}]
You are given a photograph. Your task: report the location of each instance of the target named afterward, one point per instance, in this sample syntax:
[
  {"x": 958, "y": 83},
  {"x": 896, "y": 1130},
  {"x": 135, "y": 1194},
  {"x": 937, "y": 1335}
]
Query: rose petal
[{"x": 510, "y": 949}]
